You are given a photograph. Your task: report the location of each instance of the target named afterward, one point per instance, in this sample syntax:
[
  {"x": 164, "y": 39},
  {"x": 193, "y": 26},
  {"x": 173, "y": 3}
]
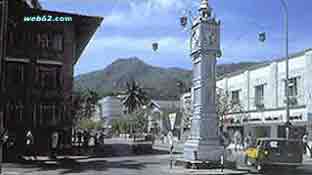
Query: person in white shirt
[
  {"x": 30, "y": 151},
  {"x": 54, "y": 143}
]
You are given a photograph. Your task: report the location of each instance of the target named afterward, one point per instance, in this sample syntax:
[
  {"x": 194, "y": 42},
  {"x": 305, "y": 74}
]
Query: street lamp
[
  {"x": 285, "y": 8},
  {"x": 186, "y": 21}
]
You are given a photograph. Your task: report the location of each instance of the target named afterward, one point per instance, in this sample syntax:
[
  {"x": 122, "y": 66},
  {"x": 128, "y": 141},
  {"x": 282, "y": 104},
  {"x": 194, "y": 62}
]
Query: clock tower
[{"x": 204, "y": 140}]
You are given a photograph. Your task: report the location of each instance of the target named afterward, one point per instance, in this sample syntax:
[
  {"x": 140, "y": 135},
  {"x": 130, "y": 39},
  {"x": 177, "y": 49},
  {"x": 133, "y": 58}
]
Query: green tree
[
  {"x": 224, "y": 106},
  {"x": 135, "y": 98},
  {"x": 89, "y": 124},
  {"x": 84, "y": 104}
]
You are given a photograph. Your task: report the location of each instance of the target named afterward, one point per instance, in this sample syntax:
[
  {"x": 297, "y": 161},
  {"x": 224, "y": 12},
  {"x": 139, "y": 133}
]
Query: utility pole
[
  {"x": 285, "y": 8},
  {"x": 3, "y": 42}
]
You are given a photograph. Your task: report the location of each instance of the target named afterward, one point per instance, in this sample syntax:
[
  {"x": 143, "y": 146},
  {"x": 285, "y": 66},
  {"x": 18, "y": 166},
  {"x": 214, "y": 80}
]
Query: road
[{"x": 128, "y": 164}]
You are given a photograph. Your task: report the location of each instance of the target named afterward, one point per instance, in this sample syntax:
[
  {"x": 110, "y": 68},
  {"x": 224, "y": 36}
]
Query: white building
[
  {"x": 158, "y": 120},
  {"x": 260, "y": 90},
  {"x": 110, "y": 107}
]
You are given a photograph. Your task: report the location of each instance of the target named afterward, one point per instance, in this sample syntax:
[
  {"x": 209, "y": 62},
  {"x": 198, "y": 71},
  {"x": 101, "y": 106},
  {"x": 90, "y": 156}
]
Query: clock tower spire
[{"x": 205, "y": 9}]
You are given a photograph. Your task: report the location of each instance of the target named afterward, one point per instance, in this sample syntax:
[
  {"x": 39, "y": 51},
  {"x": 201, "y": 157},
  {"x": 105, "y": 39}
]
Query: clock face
[{"x": 210, "y": 40}]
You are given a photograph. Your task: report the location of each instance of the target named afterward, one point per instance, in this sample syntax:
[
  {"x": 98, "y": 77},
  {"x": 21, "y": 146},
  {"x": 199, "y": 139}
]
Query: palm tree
[{"x": 135, "y": 98}]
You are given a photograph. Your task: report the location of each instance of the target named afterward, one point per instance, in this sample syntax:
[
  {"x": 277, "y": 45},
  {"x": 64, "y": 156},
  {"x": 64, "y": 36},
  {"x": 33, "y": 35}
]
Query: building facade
[
  {"x": 110, "y": 108},
  {"x": 37, "y": 71},
  {"x": 158, "y": 119},
  {"x": 260, "y": 92}
]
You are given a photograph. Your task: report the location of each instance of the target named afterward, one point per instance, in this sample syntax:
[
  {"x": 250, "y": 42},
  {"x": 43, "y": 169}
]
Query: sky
[{"x": 131, "y": 26}]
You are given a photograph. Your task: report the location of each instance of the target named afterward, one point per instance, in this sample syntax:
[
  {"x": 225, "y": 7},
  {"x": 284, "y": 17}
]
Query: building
[
  {"x": 110, "y": 108},
  {"x": 260, "y": 92},
  {"x": 37, "y": 71},
  {"x": 158, "y": 119}
]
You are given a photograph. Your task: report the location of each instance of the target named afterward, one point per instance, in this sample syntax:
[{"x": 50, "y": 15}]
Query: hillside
[{"x": 161, "y": 83}]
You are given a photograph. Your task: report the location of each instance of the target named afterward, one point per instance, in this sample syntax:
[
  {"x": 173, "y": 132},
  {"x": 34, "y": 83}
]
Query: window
[
  {"x": 48, "y": 77},
  {"x": 259, "y": 95},
  {"x": 51, "y": 41},
  {"x": 11, "y": 39},
  {"x": 58, "y": 42},
  {"x": 14, "y": 112},
  {"x": 47, "y": 113},
  {"x": 44, "y": 40},
  {"x": 15, "y": 74},
  {"x": 292, "y": 87},
  {"x": 235, "y": 97}
]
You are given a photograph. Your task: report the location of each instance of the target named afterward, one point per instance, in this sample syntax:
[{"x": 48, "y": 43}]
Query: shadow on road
[{"x": 68, "y": 166}]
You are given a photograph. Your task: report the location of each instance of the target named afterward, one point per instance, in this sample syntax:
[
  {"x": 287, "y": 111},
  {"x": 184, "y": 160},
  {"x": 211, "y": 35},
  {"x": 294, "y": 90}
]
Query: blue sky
[{"x": 131, "y": 26}]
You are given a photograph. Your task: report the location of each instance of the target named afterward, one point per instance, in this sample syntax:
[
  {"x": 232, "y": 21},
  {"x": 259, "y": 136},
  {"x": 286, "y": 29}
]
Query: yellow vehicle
[{"x": 275, "y": 152}]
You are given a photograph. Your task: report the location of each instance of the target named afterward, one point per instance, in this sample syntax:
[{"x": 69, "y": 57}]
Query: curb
[{"x": 204, "y": 172}]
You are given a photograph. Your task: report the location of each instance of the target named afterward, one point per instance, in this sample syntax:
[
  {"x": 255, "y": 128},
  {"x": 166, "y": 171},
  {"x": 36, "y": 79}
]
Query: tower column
[{"x": 204, "y": 141}]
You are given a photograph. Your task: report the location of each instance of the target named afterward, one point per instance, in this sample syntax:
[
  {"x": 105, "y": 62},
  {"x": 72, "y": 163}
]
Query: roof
[
  {"x": 85, "y": 26},
  {"x": 264, "y": 64},
  {"x": 33, "y": 4}
]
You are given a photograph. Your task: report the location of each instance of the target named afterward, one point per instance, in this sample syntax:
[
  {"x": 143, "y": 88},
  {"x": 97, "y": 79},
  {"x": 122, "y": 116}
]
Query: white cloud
[
  {"x": 142, "y": 12},
  {"x": 167, "y": 45}
]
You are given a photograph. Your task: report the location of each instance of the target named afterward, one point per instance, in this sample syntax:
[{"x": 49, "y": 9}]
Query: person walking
[
  {"x": 30, "y": 150},
  {"x": 306, "y": 145},
  {"x": 86, "y": 137},
  {"x": 91, "y": 144},
  {"x": 79, "y": 141},
  {"x": 237, "y": 140},
  {"x": 248, "y": 141},
  {"x": 54, "y": 144}
]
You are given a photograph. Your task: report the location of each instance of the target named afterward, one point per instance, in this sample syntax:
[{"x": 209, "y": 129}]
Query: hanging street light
[
  {"x": 262, "y": 36},
  {"x": 183, "y": 21},
  {"x": 155, "y": 46}
]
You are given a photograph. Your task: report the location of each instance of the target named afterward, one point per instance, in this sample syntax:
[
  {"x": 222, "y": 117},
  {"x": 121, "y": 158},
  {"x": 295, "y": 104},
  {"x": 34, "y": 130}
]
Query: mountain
[{"x": 160, "y": 83}]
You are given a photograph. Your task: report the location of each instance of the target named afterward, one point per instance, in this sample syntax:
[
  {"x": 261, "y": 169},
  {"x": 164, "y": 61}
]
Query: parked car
[{"x": 277, "y": 152}]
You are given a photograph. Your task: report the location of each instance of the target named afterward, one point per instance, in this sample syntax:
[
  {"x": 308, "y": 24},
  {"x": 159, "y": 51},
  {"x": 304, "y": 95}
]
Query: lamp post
[
  {"x": 285, "y": 9},
  {"x": 186, "y": 22},
  {"x": 262, "y": 38}
]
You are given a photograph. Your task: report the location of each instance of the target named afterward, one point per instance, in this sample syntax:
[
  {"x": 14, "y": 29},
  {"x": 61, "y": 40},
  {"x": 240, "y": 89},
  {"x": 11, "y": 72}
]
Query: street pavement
[{"x": 156, "y": 163}]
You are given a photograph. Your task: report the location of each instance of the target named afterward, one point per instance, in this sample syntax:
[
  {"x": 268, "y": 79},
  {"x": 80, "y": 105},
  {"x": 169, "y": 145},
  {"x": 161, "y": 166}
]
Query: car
[{"x": 277, "y": 152}]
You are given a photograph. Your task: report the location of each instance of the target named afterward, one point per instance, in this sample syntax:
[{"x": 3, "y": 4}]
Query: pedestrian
[
  {"x": 248, "y": 141},
  {"x": 96, "y": 139},
  {"x": 305, "y": 144},
  {"x": 54, "y": 144},
  {"x": 86, "y": 137},
  {"x": 30, "y": 150},
  {"x": 101, "y": 138},
  {"x": 237, "y": 140},
  {"x": 79, "y": 137},
  {"x": 91, "y": 143},
  {"x": 170, "y": 139}
]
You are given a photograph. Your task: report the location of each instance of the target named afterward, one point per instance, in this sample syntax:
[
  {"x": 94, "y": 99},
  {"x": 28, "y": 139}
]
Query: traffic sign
[{"x": 172, "y": 119}]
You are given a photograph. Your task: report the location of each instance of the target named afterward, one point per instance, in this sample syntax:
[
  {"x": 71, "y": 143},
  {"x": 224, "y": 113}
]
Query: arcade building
[{"x": 36, "y": 72}]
